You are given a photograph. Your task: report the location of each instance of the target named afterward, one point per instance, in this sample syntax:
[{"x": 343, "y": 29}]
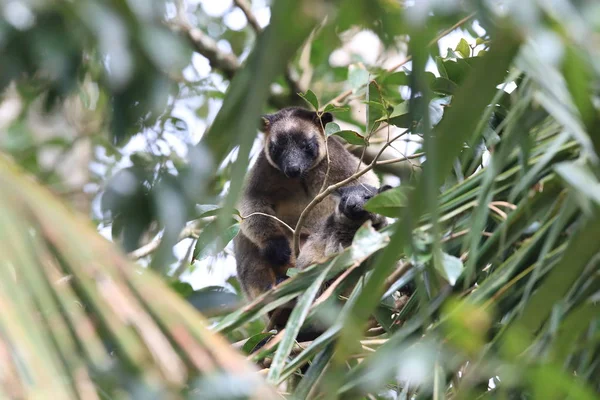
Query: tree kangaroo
[{"x": 288, "y": 174}]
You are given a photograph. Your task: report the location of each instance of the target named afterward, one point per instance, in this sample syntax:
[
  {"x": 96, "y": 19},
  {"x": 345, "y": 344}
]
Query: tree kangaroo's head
[
  {"x": 352, "y": 201},
  {"x": 295, "y": 140}
]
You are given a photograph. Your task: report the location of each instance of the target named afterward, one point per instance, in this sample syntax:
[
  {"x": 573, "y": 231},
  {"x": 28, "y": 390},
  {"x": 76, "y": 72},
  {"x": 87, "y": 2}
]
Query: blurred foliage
[
  {"x": 80, "y": 321},
  {"x": 485, "y": 285}
]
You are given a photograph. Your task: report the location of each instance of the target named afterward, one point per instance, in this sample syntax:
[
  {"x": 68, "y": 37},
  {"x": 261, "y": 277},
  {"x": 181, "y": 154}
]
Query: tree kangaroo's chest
[{"x": 290, "y": 205}]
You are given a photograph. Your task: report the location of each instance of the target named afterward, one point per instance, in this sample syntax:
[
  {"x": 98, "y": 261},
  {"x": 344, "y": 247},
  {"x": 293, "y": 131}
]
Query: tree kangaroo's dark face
[
  {"x": 352, "y": 200},
  {"x": 295, "y": 140}
]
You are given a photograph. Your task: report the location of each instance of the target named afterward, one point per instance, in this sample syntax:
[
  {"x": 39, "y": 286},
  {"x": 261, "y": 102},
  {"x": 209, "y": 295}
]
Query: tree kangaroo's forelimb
[{"x": 330, "y": 189}]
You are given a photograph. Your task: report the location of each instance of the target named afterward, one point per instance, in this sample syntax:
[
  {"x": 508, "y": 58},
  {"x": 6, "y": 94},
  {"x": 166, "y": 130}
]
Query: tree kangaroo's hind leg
[{"x": 255, "y": 274}]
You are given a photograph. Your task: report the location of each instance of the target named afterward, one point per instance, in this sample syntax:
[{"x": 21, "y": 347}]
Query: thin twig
[
  {"x": 498, "y": 211},
  {"x": 377, "y": 331},
  {"x": 397, "y": 274},
  {"x": 326, "y": 178},
  {"x": 184, "y": 263},
  {"x": 190, "y": 231},
  {"x": 270, "y": 216},
  {"x": 297, "y": 348},
  {"x": 373, "y": 342},
  {"x": 329, "y": 291},
  {"x": 394, "y": 166},
  {"x": 331, "y": 189},
  {"x": 400, "y": 159},
  {"x": 367, "y": 129},
  {"x": 504, "y": 204}
]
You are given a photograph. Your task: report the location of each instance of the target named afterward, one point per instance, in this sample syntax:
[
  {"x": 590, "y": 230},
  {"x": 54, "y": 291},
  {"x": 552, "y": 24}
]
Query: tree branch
[
  {"x": 245, "y": 7},
  {"x": 185, "y": 261},
  {"x": 399, "y": 167},
  {"x": 227, "y": 63},
  {"x": 293, "y": 84},
  {"x": 190, "y": 231}
]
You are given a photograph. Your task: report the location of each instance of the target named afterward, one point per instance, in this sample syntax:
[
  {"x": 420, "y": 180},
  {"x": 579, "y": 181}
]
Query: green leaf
[
  {"x": 444, "y": 86},
  {"x": 315, "y": 371},
  {"x": 450, "y": 268},
  {"x": 183, "y": 288},
  {"x": 294, "y": 324},
  {"x": 548, "y": 381},
  {"x": 349, "y": 136},
  {"x": 571, "y": 329},
  {"x": 213, "y": 300},
  {"x": 235, "y": 284},
  {"x": 207, "y": 210},
  {"x": 580, "y": 251},
  {"x": 357, "y": 76},
  {"x": 389, "y": 203},
  {"x": 463, "y": 48},
  {"x": 331, "y": 129},
  {"x": 396, "y": 78},
  {"x": 457, "y": 71},
  {"x": 211, "y": 242},
  {"x": 367, "y": 241},
  {"x": 333, "y": 109},
  {"x": 439, "y": 62},
  {"x": 555, "y": 99},
  {"x": 439, "y": 381},
  {"x": 352, "y": 137},
  {"x": 376, "y": 107},
  {"x": 579, "y": 79},
  {"x": 436, "y": 109},
  {"x": 580, "y": 178},
  {"x": 311, "y": 98},
  {"x": 254, "y": 340},
  {"x": 400, "y": 116}
]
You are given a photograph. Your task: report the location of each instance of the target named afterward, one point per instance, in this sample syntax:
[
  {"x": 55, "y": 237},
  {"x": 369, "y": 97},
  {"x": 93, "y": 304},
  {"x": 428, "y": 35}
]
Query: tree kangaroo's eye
[
  {"x": 274, "y": 151},
  {"x": 308, "y": 145}
]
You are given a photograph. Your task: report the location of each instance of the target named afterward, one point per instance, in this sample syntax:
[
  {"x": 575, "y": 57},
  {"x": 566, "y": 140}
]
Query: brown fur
[
  {"x": 334, "y": 234},
  {"x": 268, "y": 190}
]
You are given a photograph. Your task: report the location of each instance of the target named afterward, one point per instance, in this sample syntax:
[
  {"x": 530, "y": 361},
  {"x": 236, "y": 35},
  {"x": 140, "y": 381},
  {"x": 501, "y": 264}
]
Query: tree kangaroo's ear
[
  {"x": 265, "y": 122},
  {"x": 326, "y": 118},
  {"x": 384, "y": 188}
]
